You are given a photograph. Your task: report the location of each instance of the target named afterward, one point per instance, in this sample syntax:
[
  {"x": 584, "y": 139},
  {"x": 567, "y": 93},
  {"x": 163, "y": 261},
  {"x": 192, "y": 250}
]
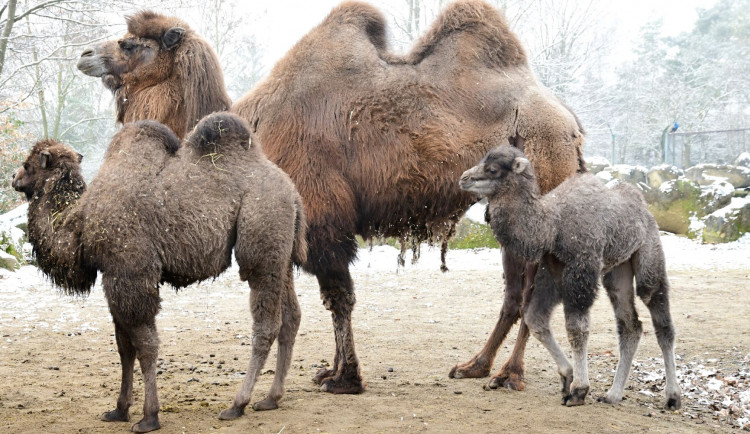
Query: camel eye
[{"x": 126, "y": 46}]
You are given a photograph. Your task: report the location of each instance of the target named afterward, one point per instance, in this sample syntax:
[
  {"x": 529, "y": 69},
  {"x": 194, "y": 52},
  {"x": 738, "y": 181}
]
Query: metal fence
[{"x": 685, "y": 149}]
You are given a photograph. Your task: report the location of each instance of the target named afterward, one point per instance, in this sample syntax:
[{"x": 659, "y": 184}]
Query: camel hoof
[
  {"x": 511, "y": 381},
  {"x": 472, "y": 369},
  {"x": 576, "y": 397},
  {"x": 232, "y": 413},
  {"x": 323, "y": 375},
  {"x": 342, "y": 386},
  {"x": 115, "y": 416},
  {"x": 267, "y": 404},
  {"x": 146, "y": 425},
  {"x": 673, "y": 403},
  {"x": 608, "y": 400}
]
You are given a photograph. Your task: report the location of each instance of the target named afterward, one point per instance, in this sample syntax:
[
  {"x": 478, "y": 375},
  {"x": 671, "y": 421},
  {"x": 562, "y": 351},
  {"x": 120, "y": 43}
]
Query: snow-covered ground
[{"x": 681, "y": 254}]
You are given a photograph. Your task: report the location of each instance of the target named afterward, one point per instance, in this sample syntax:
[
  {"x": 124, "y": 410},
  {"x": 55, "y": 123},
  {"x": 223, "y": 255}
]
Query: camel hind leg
[
  {"x": 145, "y": 339},
  {"x": 290, "y": 320},
  {"x": 619, "y": 285},
  {"x": 652, "y": 287},
  {"x": 265, "y": 307}
]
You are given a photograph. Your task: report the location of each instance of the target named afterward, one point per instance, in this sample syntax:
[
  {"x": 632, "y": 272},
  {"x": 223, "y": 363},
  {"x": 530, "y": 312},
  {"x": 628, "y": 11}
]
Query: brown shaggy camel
[
  {"x": 159, "y": 70},
  {"x": 160, "y": 213},
  {"x": 376, "y": 141}
]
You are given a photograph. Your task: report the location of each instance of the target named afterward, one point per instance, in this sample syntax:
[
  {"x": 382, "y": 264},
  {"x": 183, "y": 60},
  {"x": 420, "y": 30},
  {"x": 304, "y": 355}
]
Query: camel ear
[
  {"x": 520, "y": 164},
  {"x": 44, "y": 159},
  {"x": 172, "y": 37},
  {"x": 80, "y": 157}
]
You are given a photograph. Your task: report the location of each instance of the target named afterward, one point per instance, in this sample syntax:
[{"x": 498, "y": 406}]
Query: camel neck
[{"x": 522, "y": 223}]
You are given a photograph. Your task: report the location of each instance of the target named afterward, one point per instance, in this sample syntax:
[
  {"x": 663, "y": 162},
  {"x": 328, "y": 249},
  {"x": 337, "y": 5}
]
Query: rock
[
  {"x": 11, "y": 237},
  {"x": 706, "y": 174},
  {"x": 676, "y": 204},
  {"x": 660, "y": 174},
  {"x": 728, "y": 223},
  {"x": 743, "y": 160},
  {"x": 624, "y": 173},
  {"x": 673, "y": 203},
  {"x": 596, "y": 164},
  {"x": 8, "y": 261}
]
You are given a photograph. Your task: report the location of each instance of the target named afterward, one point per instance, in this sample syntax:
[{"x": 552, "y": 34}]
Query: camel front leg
[
  {"x": 479, "y": 366},
  {"x": 127, "y": 361}
]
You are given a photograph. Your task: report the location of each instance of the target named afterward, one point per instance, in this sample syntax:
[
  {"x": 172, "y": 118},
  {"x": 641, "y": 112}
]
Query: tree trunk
[{"x": 6, "y": 32}]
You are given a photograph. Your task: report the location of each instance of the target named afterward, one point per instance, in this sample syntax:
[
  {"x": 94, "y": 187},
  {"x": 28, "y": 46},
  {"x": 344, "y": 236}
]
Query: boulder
[
  {"x": 676, "y": 204},
  {"x": 8, "y": 261},
  {"x": 743, "y": 160},
  {"x": 12, "y": 237},
  {"x": 597, "y": 164},
  {"x": 705, "y": 174},
  {"x": 728, "y": 223},
  {"x": 660, "y": 174},
  {"x": 624, "y": 173}
]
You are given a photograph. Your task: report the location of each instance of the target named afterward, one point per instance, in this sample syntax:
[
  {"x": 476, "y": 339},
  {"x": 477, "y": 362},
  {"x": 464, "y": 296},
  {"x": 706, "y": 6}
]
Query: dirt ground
[{"x": 60, "y": 370}]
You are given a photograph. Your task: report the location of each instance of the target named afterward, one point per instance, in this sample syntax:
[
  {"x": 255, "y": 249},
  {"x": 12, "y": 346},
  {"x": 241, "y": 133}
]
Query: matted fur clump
[
  {"x": 579, "y": 232},
  {"x": 158, "y": 212}
]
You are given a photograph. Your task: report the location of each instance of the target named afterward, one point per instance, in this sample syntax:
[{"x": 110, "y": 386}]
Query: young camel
[
  {"x": 160, "y": 213},
  {"x": 577, "y": 232}
]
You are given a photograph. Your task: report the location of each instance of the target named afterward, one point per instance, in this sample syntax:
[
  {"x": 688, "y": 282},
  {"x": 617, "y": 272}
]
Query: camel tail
[{"x": 299, "y": 249}]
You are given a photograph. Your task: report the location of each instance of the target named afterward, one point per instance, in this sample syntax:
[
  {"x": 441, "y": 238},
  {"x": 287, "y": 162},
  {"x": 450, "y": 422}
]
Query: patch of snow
[
  {"x": 605, "y": 175},
  {"x": 735, "y": 204},
  {"x": 667, "y": 186},
  {"x": 598, "y": 161},
  {"x": 719, "y": 188},
  {"x": 476, "y": 212}
]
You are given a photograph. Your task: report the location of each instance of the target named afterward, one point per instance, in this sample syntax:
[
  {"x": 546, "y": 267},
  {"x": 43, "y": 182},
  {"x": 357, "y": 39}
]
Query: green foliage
[
  {"x": 469, "y": 235},
  {"x": 472, "y": 235}
]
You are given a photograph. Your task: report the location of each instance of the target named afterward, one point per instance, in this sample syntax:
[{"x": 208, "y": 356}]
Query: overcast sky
[{"x": 285, "y": 21}]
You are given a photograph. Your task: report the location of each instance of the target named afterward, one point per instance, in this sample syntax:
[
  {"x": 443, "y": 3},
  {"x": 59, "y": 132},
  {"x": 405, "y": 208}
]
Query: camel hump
[
  {"x": 152, "y": 25},
  {"x": 363, "y": 16},
  {"x": 157, "y": 131},
  {"x": 496, "y": 45},
  {"x": 220, "y": 131}
]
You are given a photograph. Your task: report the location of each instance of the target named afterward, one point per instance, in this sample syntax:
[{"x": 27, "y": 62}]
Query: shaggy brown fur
[
  {"x": 173, "y": 216},
  {"x": 580, "y": 231},
  {"x": 159, "y": 70},
  {"x": 375, "y": 141}
]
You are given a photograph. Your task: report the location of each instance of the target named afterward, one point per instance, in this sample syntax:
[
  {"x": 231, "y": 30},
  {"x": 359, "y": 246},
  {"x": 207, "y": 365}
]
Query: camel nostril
[{"x": 87, "y": 52}]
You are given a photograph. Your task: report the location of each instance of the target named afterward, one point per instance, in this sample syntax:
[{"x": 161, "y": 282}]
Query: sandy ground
[{"x": 60, "y": 370}]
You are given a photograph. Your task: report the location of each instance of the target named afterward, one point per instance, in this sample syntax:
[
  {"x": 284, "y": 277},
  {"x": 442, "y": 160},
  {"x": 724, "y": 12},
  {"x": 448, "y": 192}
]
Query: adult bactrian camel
[
  {"x": 375, "y": 142},
  {"x": 160, "y": 213}
]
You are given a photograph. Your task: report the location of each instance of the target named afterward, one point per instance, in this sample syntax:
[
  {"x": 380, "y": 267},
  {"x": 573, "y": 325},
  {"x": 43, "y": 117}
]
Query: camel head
[
  {"x": 497, "y": 172},
  {"x": 143, "y": 57},
  {"x": 47, "y": 158}
]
